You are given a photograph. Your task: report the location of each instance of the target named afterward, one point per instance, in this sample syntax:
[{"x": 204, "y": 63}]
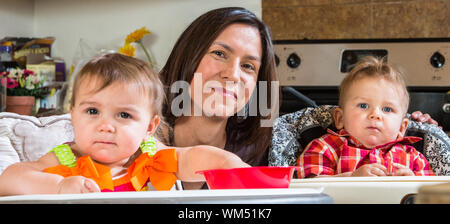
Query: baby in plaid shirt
[{"x": 371, "y": 119}]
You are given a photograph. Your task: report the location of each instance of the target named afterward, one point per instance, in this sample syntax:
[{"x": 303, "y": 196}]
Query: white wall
[
  {"x": 16, "y": 18},
  {"x": 106, "y": 23}
]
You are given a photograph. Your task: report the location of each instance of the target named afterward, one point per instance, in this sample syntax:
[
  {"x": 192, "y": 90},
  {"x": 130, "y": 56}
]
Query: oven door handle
[{"x": 300, "y": 96}]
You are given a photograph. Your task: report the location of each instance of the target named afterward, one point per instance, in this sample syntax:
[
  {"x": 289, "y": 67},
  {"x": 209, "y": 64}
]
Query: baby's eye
[
  {"x": 124, "y": 115},
  {"x": 92, "y": 111},
  {"x": 387, "y": 109},
  {"x": 363, "y": 105}
]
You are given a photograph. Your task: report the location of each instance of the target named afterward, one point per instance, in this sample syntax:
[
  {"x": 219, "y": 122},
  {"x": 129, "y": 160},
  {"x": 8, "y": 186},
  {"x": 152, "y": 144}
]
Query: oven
[{"x": 311, "y": 71}]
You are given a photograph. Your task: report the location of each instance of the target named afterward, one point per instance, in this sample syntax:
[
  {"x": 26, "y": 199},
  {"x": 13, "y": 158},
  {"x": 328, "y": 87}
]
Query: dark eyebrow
[{"x": 226, "y": 46}]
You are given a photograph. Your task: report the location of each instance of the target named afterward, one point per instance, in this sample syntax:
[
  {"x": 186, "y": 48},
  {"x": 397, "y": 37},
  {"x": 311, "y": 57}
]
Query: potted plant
[{"x": 22, "y": 86}]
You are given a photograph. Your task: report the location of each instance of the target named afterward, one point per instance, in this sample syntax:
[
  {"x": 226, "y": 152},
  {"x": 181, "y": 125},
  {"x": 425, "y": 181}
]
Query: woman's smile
[{"x": 225, "y": 92}]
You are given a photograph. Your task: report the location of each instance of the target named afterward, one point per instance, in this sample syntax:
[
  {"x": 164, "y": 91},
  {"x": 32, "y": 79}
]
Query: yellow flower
[
  {"x": 127, "y": 49},
  {"x": 137, "y": 35}
]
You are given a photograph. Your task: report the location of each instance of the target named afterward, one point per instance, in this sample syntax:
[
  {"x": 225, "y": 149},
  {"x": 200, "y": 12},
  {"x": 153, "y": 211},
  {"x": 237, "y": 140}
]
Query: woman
[
  {"x": 222, "y": 52},
  {"x": 232, "y": 47}
]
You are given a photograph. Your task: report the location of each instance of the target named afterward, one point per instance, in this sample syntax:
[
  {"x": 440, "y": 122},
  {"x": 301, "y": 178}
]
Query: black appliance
[{"x": 311, "y": 70}]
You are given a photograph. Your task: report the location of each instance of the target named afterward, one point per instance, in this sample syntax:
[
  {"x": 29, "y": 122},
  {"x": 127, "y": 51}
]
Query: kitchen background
[
  {"x": 104, "y": 24},
  {"x": 357, "y": 19}
]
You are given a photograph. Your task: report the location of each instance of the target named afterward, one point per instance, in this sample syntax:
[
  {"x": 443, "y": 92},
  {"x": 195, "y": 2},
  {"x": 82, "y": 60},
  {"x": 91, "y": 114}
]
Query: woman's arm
[{"x": 424, "y": 118}]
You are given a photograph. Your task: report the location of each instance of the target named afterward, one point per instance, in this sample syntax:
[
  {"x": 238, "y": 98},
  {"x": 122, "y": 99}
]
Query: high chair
[
  {"x": 293, "y": 132},
  {"x": 27, "y": 138}
]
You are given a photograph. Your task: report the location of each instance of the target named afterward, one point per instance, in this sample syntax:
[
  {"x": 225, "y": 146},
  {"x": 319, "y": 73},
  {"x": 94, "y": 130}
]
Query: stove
[{"x": 310, "y": 71}]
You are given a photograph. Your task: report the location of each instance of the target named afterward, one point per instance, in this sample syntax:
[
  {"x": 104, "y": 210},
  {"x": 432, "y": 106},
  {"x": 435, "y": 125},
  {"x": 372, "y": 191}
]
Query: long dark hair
[{"x": 187, "y": 53}]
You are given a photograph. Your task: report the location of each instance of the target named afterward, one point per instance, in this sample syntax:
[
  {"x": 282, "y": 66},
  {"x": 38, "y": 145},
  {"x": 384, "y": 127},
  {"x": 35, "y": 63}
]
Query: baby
[
  {"x": 115, "y": 109},
  {"x": 373, "y": 103}
]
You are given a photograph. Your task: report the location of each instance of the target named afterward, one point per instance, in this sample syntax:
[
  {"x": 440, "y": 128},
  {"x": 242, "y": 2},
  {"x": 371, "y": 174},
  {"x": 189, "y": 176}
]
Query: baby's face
[
  {"x": 373, "y": 112},
  {"x": 110, "y": 124}
]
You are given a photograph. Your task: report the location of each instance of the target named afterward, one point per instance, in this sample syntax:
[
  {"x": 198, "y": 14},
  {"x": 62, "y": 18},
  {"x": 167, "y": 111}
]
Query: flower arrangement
[
  {"x": 136, "y": 37},
  {"x": 22, "y": 82}
]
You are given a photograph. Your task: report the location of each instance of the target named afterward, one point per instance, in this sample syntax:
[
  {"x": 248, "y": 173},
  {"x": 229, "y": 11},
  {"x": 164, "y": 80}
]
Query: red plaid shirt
[{"x": 336, "y": 153}]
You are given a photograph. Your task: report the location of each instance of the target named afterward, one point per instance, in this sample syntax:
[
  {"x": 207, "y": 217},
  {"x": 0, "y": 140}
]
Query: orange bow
[
  {"x": 87, "y": 168},
  {"x": 159, "y": 168}
]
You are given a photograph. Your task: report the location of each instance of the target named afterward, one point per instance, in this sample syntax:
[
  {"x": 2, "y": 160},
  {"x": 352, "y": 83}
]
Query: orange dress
[{"x": 158, "y": 169}]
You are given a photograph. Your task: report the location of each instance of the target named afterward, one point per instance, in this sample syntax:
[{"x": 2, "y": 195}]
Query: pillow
[
  {"x": 27, "y": 138},
  {"x": 288, "y": 130},
  {"x": 436, "y": 146}
]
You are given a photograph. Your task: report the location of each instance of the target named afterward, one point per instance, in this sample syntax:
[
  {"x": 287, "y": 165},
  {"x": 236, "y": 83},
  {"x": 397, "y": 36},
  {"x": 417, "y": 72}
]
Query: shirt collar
[{"x": 354, "y": 142}]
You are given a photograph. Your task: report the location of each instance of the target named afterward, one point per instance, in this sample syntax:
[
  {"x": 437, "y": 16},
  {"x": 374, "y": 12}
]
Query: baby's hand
[
  {"x": 76, "y": 185},
  {"x": 402, "y": 171},
  {"x": 373, "y": 169}
]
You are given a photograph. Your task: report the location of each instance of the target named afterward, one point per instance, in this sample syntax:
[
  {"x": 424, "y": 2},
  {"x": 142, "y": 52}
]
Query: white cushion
[{"x": 27, "y": 138}]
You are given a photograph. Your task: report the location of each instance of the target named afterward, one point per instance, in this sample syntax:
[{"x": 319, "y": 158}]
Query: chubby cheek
[
  {"x": 394, "y": 127},
  {"x": 83, "y": 140},
  {"x": 83, "y": 130},
  {"x": 131, "y": 139},
  {"x": 352, "y": 121},
  {"x": 352, "y": 128},
  {"x": 80, "y": 128}
]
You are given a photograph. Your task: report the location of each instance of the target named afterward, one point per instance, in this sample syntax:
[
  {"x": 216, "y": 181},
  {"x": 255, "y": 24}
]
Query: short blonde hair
[
  {"x": 112, "y": 68},
  {"x": 370, "y": 66}
]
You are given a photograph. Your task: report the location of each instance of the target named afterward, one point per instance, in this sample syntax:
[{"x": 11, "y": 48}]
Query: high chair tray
[
  {"x": 368, "y": 190},
  {"x": 234, "y": 196}
]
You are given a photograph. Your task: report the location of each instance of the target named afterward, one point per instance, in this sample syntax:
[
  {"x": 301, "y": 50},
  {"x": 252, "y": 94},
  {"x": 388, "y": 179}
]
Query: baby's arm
[
  {"x": 319, "y": 160},
  {"x": 29, "y": 178},
  {"x": 316, "y": 160},
  {"x": 421, "y": 165},
  {"x": 204, "y": 157}
]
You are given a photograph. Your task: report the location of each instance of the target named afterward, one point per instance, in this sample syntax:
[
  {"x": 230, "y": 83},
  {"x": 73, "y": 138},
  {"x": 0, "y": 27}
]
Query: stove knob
[
  {"x": 446, "y": 108},
  {"x": 277, "y": 60},
  {"x": 293, "y": 60},
  {"x": 437, "y": 60}
]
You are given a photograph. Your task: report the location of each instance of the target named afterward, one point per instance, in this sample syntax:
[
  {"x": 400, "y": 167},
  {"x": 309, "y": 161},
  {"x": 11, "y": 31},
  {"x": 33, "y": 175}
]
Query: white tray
[
  {"x": 368, "y": 190},
  {"x": 237, "y": 196}
]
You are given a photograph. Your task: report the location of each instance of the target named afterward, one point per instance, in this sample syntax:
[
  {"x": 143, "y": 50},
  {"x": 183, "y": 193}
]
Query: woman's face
[{"x": 227, "y": 73}]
